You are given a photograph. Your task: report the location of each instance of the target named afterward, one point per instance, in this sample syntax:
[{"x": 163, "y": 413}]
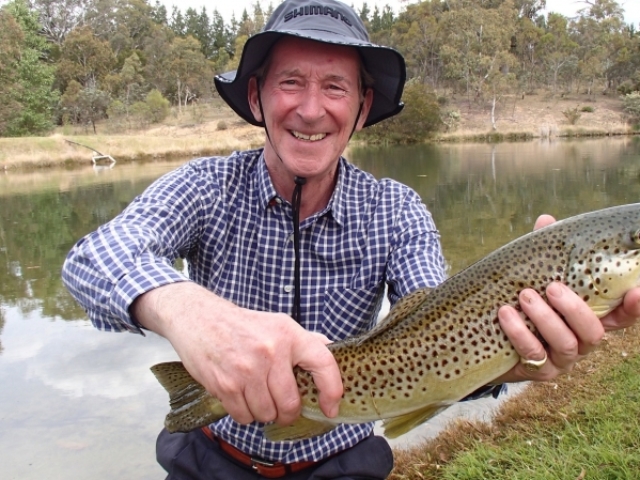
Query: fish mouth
[{"x": 308, "y": 138}]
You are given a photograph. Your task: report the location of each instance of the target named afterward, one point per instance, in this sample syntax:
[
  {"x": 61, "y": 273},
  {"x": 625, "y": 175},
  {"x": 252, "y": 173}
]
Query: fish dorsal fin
[
  {"x": 300, "y": 429},
  {"x": 396, "y": 426},
  {"x": 191, "y": 405},
  {"x": 401, "y": 310}
]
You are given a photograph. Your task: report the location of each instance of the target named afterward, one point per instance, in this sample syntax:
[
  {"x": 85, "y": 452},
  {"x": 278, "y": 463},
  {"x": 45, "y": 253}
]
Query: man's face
[{"x": 310, "y": 96}]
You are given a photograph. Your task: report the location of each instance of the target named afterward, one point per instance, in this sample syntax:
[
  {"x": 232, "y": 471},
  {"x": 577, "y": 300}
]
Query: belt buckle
[{"x": 256, "y": 463}]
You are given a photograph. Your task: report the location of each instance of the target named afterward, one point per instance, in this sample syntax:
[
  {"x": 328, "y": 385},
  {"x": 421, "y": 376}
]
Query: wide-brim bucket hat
[{"x": 327, "y": 21}]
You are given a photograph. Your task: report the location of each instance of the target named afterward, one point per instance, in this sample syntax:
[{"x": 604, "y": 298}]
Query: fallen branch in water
[{"x": 94, "y": 158}]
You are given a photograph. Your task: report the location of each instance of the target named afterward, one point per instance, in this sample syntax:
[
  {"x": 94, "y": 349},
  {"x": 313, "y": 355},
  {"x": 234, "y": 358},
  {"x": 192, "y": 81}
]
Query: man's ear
[
  {"x": 366, "y": 107},
  {"x": 254, "y": 104}
]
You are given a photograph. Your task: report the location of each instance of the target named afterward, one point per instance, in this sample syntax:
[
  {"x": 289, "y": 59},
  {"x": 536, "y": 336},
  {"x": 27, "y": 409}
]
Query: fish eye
[{"x": 635, "y": 237}]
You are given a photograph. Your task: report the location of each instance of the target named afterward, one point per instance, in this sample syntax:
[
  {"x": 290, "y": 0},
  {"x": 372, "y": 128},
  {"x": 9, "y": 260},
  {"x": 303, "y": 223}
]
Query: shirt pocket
[{"x": 350, "y": 311}]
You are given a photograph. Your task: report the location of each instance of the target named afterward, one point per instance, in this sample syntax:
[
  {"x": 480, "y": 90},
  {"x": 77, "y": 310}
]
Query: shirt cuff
[{"x": 142, "y": 279}]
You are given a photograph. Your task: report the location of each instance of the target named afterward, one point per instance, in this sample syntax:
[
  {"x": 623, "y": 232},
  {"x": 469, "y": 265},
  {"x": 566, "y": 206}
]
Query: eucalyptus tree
[
  {"x": 476, "y": 49},
  {"x": 125, "y": 24},
  {"x": 598, "y": 31},
  {"x": 419, "y": 35},
  {"x": 189, "y": 70},
  {"x": 59, "y": 17},
  {"x": 559, "y": 52}
]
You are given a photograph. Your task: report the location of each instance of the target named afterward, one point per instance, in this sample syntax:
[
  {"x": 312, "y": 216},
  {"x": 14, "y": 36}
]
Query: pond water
[{"x": 78, "y": 403}]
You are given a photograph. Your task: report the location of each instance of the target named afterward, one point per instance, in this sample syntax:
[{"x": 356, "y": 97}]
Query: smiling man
[{"x": 290, "y": 247}]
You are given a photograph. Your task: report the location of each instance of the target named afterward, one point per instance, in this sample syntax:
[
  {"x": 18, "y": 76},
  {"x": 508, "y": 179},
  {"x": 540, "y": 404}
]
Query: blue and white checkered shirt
[{"x": 223, "y": 216}]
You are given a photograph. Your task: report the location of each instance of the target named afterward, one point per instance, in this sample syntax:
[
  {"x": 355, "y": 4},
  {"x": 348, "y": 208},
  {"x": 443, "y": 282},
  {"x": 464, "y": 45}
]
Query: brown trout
[{"x": 438, "y": 345}]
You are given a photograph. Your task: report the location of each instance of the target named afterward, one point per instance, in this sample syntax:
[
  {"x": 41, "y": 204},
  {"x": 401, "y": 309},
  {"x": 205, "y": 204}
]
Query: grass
[
  {"x": 584, "y": 425},
  {"x": 179, "y": 136}
]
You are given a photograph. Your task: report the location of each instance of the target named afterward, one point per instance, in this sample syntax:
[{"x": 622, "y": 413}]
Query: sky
[{"x": 228, "y": 7}]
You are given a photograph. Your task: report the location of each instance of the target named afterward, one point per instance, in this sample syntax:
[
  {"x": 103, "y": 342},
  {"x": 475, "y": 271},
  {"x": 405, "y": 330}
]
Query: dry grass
[
  {"x": 178, "y": 137},
  {"x": 540, "y": 410},
  {"x": 538, "y": 115}
]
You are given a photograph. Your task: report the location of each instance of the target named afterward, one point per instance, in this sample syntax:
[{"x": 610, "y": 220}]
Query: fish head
[{"x": 604, "y": 271}]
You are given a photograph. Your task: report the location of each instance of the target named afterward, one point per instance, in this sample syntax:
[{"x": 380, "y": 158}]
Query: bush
[
  {"x": 572, "y": 115},
  {"x": 588, "y": 109},
  {"x": 141, "y": 112},
  {"x": 419, "y": 119},
  {"x": 159, "y": 106},
  {"x": 451, "y": 120},
  {"x": 222, "y": 125},
  {"x": 631, "y": 104},
  {"x": 116, "y": 109}
]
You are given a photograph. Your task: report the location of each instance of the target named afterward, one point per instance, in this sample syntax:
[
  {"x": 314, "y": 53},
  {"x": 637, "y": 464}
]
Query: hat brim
[{"x": 384, "y": 64}]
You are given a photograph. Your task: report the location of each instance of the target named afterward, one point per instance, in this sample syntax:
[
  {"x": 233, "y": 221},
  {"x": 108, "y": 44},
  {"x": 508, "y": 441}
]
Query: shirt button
[{"x": 288, "y": 288}]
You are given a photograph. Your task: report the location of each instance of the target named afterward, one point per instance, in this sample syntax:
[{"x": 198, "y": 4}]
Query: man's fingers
[
  {"x": 259, "y": 401},
  {"x": 526, "y": 344},
  {"x": 625, "y": 315},
  {"x": 543, "y": 221},
  {"x": 284, "y": 391},
  {"x": 314, "y": 357},
  {"x": 586, "y": 327},
  {"x": 237, "y": 407}
]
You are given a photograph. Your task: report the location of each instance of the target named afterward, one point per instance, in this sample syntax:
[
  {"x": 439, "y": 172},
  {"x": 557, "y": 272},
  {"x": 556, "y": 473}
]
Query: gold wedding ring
[{"x": 533, "y": 365}]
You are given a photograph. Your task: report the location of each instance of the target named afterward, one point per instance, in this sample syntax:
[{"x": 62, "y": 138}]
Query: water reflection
[{"x": 79, "y": 398}]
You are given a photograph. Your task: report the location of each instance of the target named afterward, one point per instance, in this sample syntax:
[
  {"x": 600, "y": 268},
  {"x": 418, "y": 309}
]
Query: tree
[
  {"x": 159, "y": 14},
  {"x": 558, "y": 50},
  {"x": 59, "y": 17},
  {"x": 84, "y": 105},
  {"x": 35, "y": 77},
  {"x": 157, "y": 51},
  {"x": 124, "y": 24},
  {"x": 188, "y": 69},
  {"x": 11, "y": 38},
  {"x": 598, "y": 31},
  {"x": 85, "y": 58},
  {"x": 477, "y": 48}
]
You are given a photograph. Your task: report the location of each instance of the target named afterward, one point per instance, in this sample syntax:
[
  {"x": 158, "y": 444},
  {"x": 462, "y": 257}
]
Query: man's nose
[{"x": 311, "y": 106}]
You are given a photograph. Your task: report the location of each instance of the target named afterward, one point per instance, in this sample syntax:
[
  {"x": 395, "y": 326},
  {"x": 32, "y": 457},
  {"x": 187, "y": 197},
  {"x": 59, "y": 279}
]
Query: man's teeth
[{"x": 311, "y": 138}]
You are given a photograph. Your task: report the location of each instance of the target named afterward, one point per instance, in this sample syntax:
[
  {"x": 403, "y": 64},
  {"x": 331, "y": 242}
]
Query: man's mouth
[{"x": 308, "y": 138}]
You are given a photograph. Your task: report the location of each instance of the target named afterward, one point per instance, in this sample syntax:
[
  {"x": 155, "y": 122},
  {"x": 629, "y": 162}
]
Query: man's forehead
[{"x": 289, "y": 52}]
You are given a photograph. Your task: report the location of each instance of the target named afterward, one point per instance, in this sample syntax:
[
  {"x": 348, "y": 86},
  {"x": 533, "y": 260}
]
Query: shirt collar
[{"x": 268, "y": 194}]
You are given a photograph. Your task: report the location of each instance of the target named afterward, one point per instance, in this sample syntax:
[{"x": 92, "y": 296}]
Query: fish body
[{"x": 438, "y": 345}]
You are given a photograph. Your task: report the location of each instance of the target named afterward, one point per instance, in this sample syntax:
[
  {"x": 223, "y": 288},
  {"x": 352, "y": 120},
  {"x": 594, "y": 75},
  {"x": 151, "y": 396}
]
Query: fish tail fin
[
  {"x": 396, "y": 426},
  {"x": 300, "y": 429},
  {"x": 191, "y": 405}
]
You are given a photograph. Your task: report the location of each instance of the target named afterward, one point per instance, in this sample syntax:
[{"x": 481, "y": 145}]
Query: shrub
[
  {"x": 588, "y": 109},
  {"x": 419, "y": 119},
  {"x": 159, "y": 106},
  {"x": 451, "y": 120},
  {"x": 141, "y": 112},
  {"x": 116, "y": 109},
  {"x": 631, "y": 104},
  {"x": 572, "y": 115},
  {"x": 222, "y": 125}
]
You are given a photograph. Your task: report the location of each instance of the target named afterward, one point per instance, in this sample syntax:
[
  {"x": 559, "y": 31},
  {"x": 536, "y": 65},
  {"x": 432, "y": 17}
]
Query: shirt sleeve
[
  {"x": 134, "y": 253},
  {"x": 416, "y": 259}
]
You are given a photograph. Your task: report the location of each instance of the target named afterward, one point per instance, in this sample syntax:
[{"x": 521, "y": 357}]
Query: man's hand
[
  {"x": 243, "y": 357},
  {"x": 571, "y": 331}
]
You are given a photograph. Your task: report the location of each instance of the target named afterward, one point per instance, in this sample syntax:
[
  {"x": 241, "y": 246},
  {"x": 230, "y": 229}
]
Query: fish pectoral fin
[
  {"x": 191, "y": 405},
  {"x": 300, "y": 429},
  {"x": 396, "y": 426}
]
